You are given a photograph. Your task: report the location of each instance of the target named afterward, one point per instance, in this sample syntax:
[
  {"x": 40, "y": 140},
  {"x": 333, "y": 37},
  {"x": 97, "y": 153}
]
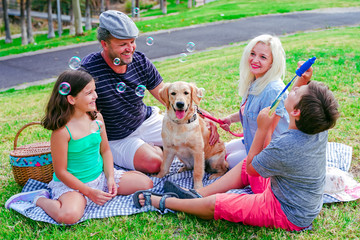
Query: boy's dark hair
[
  {"x": 58, "y": 110},
  {"x": 318, "y": 109}
]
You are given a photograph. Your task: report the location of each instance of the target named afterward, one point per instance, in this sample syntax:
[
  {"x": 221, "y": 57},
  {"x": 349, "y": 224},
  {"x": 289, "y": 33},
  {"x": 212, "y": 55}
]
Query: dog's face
[{"x": 178, "y": 98}]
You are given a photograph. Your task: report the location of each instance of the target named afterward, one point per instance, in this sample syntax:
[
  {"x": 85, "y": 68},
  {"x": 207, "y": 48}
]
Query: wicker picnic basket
[{"x": 32, "y": 160}]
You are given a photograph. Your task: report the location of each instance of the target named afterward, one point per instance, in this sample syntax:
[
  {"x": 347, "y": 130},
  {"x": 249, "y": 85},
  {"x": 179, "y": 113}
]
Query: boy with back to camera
[{"x": 287, "y": 177}]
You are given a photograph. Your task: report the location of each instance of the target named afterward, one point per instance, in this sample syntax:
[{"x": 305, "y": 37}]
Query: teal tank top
[{"x": 84, "y": 158}]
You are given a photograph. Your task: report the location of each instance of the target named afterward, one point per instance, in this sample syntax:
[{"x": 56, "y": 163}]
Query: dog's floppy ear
[
  {"x": 164, "y": 94},
  {"x": 195, "y": 94}
]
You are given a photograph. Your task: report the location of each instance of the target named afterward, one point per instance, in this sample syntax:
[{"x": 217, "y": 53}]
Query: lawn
[
  {"x": 337, "y": 65},
  {"x": 180, "y": 16}
]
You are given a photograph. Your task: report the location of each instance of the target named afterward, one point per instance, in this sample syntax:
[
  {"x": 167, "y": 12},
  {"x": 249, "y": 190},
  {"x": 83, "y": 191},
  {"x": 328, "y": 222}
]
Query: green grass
[
  {"x": 337, "y": 65},
  {"x": 181, "y": 16}
]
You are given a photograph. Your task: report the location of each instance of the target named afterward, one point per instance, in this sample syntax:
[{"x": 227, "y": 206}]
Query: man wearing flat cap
[{"x": 133, "y": 129}]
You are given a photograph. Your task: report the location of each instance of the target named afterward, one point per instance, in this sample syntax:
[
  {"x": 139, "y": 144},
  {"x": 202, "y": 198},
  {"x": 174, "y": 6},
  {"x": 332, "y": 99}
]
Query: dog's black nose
[{"x": 180, "y": 105}]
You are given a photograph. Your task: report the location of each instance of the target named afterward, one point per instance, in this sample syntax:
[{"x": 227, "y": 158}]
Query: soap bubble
[
  {"x": 200, "y": 92},
  {"x": 190, "y": 47},
  {"x": 183, "y": 57},
  {"x": 75, "y": 63},
  {"x": 149, "y": 41},
  {"x": 140, "y": 90},
  {"x": 136, "y": 10},
  {"x": 96, "y": 125},
  {"x": 121, "y": 87},
  {"x": 64, "y": 88},
  {"x": 116, "y": 61}
]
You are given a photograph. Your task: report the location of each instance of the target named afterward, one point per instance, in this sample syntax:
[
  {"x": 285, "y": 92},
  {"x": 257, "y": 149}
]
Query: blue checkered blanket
[{"x": 338, "y": 155}]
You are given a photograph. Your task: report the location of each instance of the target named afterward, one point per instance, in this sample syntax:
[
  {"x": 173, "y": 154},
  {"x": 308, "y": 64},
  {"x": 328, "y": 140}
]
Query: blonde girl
[{"x": 262, "y": 70}]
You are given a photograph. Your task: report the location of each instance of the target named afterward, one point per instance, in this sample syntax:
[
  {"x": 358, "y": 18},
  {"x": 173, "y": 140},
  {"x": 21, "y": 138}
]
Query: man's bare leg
[{"x": 148, "y": 158}]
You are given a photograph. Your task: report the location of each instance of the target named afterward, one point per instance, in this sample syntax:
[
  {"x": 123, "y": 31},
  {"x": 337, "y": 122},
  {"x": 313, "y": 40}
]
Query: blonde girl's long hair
[{"x": 277, "y": 70}]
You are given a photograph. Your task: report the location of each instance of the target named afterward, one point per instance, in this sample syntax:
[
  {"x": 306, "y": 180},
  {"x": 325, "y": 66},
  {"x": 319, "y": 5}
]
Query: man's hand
[{"x": 214, "y": 135}]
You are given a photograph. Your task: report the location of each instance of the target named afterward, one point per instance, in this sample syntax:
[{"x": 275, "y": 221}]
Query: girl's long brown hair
[{"x": 58, "y": 110}]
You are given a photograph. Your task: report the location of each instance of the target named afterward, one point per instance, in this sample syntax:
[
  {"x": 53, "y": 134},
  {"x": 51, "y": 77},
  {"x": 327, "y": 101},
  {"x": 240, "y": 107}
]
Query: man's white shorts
[{"x": 123, "y": 150}]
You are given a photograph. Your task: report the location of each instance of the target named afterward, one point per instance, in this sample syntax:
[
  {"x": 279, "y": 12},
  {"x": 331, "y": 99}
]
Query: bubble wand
[{"x": 298, "y": 72}]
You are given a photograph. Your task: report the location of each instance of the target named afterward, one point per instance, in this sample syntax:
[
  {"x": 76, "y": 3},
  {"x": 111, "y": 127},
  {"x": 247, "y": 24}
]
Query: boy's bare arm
[{"x": 264, "y": 122}]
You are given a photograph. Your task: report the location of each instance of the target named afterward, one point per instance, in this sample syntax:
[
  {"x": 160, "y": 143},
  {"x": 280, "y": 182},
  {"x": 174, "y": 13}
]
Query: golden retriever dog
[{"x": 186, "y": 135}]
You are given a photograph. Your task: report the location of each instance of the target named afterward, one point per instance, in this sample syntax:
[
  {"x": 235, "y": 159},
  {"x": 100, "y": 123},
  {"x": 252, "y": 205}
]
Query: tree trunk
[
  {"x": 87, "y": 15},
  {"x": 24, "y": 40},
  {"x": 199, "y": 3},
  {"x": 164, "y": 7},
  {"x": 51, "y": 33},
  {"x": 107, "y": 5},
  {"x": 102, "y": 6},
  {"x": 28, "y": 22},
  {"x": 58, "y": 7},
  {"x": 77, "y": 17},
  {"x": 72, "y": 22},
  {"x": 190, "y": 3},
  {"x": 134, "y": 10},
  {"x": 137, "y": 5},
  {"x": 6, "y": 22}
]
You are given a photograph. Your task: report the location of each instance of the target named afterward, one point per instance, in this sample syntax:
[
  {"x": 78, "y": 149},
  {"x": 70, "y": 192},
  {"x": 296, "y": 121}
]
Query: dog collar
[{"x": 193, "y": 118}]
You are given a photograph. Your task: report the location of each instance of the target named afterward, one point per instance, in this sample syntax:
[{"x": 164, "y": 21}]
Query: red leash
[{"x": 219, "y": 122}]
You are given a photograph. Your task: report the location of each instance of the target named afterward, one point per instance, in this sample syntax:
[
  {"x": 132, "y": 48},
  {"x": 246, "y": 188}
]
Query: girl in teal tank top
[{"x": 82, "y": 160}]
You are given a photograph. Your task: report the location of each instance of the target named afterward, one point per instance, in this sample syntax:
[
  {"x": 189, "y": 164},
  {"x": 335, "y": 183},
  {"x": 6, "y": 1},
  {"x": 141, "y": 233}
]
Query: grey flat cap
[{"x": 118, "y": 24}]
